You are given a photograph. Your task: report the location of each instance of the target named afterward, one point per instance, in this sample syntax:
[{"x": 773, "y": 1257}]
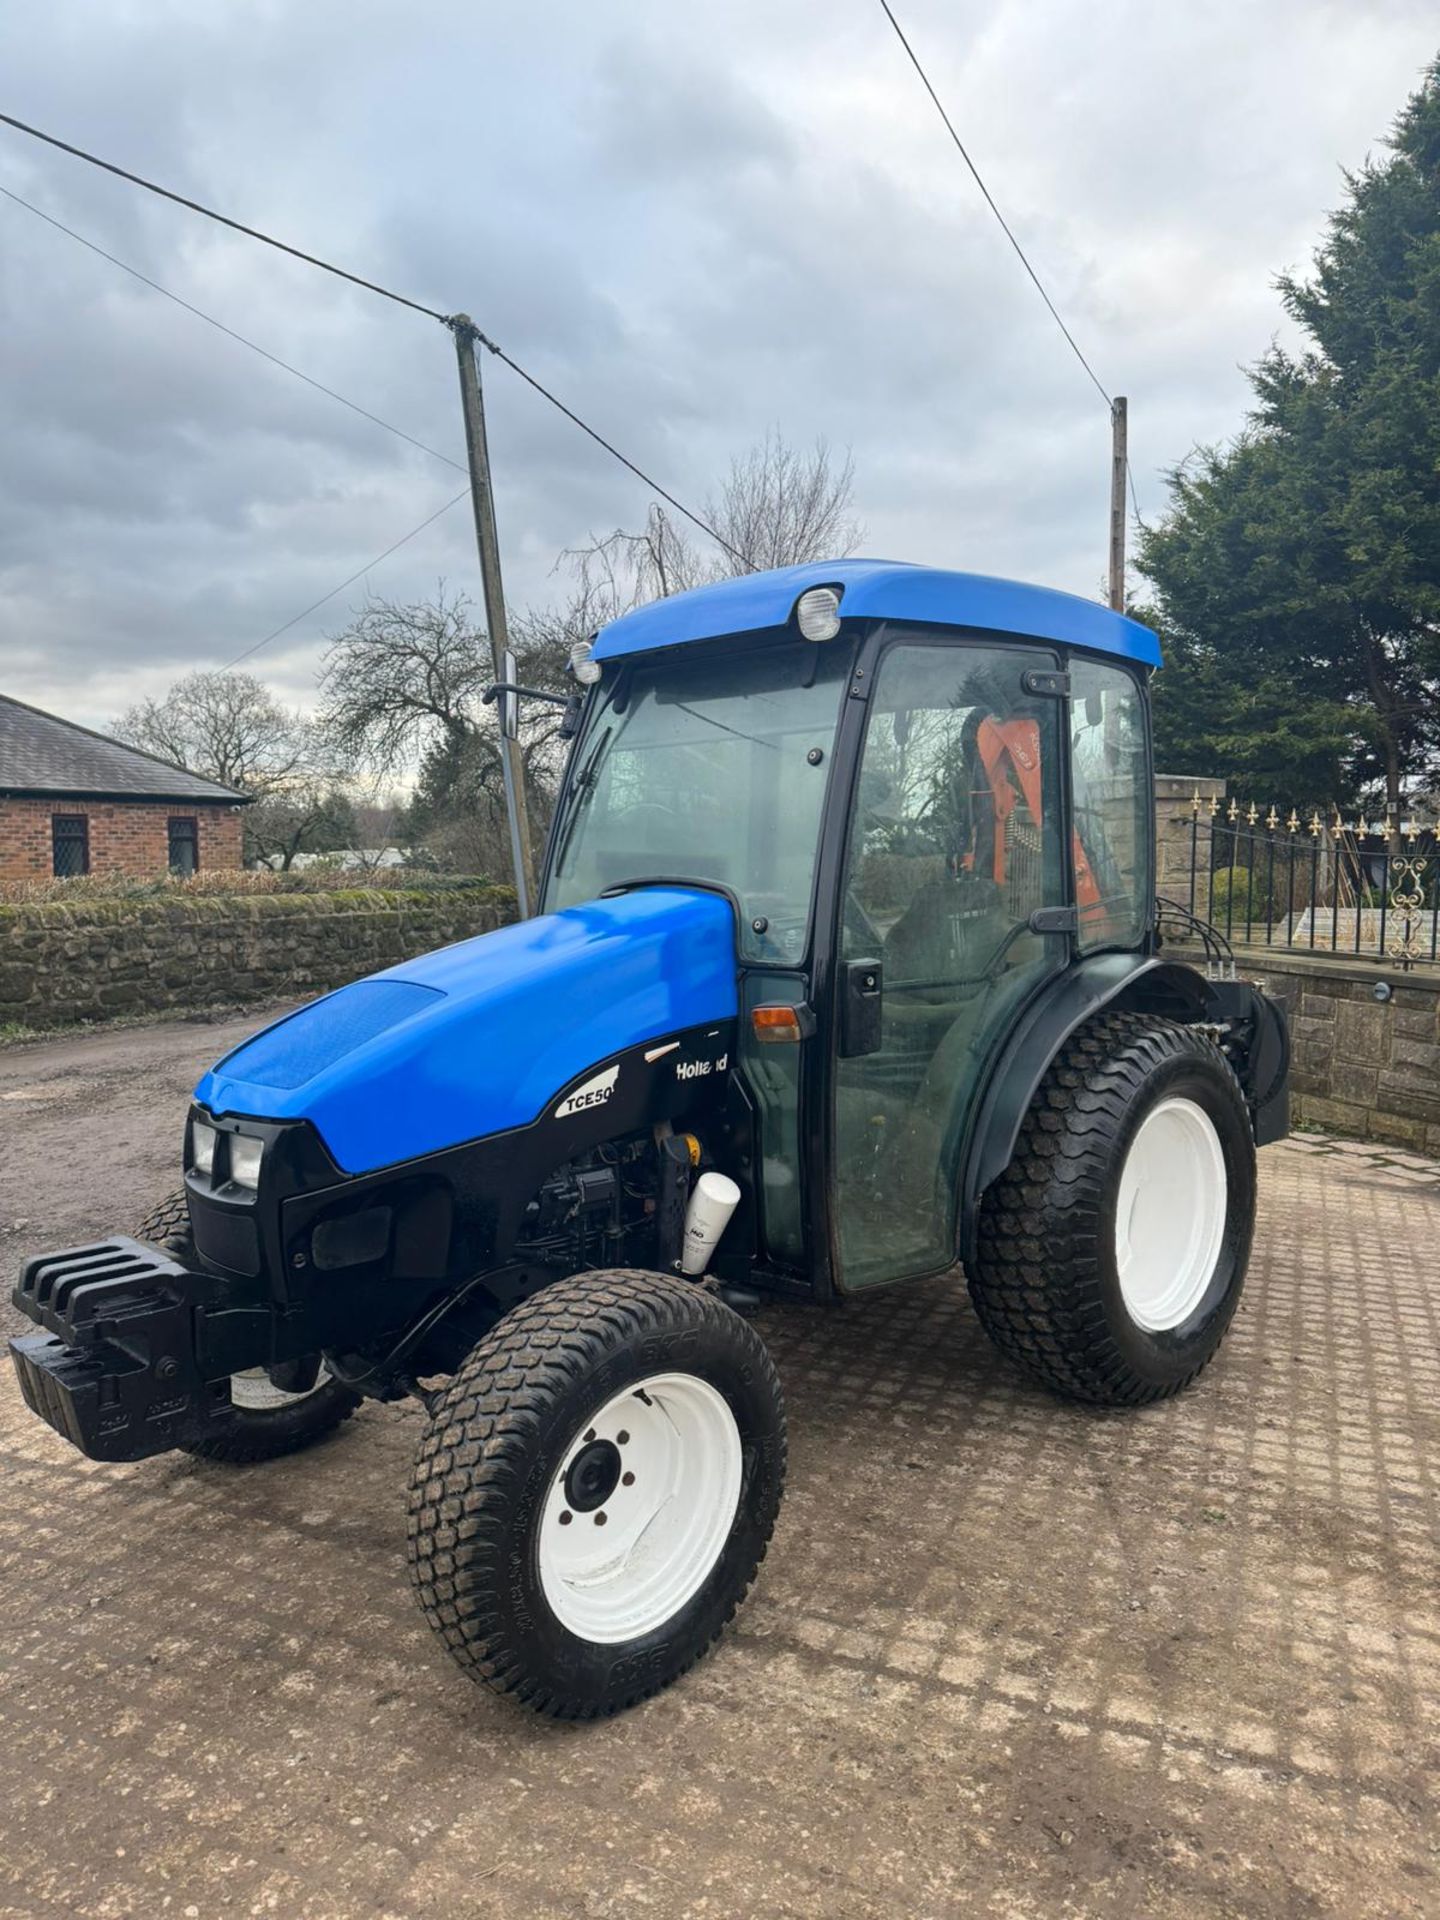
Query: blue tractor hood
[{"x": 477, "y": 1038}]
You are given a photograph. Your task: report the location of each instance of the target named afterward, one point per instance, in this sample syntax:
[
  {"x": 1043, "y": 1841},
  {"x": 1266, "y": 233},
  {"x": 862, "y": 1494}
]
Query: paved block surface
[{"x": 1006, "y": 1656}]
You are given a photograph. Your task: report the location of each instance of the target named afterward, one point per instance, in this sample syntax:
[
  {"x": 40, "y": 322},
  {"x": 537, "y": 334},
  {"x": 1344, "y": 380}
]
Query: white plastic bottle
[{"x": 715, "y": 1198}]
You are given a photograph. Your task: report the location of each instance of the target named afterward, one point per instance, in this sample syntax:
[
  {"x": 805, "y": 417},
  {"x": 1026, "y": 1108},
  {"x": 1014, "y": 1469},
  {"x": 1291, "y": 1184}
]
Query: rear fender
[
  {"x": 1066, "y": 1002},
  {"x": 1257, "y": 1043}
]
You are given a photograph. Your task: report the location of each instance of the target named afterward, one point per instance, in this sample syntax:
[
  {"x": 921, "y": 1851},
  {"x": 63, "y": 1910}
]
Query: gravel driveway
[{"x": 1007, "y": 1657}]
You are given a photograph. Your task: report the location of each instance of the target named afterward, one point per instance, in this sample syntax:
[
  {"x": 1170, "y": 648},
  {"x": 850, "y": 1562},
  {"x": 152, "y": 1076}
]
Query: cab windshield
[{"x": 714, "y": 769}]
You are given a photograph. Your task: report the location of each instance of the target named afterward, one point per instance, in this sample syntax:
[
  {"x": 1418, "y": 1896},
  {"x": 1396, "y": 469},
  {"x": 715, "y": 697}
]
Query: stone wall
[
  {"x": 1361, "y": 1066},
  {"x": 95, "y": 960},
  {"x": 130, "y": 836}
]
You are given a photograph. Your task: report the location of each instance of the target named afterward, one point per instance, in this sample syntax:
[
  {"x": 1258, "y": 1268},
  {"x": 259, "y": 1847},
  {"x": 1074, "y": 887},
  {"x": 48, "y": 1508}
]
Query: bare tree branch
[
  {"x": 227, "y": 726},
  {"x": 402, "y": 684},
  {"x": 779, "y": 507},
  {"x": 398, "y": 673}
]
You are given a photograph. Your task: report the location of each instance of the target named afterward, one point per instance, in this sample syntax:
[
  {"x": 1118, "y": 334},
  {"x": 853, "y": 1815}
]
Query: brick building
[{"x": 73, "y": 801}]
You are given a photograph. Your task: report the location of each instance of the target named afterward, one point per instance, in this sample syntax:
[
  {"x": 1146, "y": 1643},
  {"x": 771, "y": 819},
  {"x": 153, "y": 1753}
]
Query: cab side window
[{"x": 1110, "y": 771}]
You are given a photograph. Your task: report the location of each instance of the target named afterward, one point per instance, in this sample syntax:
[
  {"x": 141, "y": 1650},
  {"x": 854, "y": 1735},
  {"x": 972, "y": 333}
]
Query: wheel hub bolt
[
  {"x": 622, "y": 1438},
  {"x": 627, "y": 1479},
  {"x": 566, "y": 1517},
  {"x": 600, "y": 1518}
]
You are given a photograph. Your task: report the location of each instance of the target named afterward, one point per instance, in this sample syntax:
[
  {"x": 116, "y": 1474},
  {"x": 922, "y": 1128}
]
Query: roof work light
[{"x": 817, "y": 613}]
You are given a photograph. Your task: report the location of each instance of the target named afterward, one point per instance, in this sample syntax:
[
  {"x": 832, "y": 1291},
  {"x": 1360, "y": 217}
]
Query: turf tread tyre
[
  {"x": 250, "y": 1434},
  {"x": 1037, "y": 1282},
  {"x": 167, "y": 1226},
  {"x": 492, "y": 1439}
]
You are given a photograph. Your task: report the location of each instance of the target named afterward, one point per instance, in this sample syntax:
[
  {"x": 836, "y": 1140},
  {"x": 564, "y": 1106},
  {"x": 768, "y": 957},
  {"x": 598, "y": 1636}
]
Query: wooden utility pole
[
  {"x": 487, "y": 542},
  {"x": 1118, "y": 424}
]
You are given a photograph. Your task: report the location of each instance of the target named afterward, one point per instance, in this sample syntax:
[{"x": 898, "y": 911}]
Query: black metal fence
[{"x": 1369, "y": 889}]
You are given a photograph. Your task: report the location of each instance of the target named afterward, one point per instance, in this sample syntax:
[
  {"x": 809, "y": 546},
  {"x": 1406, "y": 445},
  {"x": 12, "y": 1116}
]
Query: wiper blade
[{"x": 585, "y": 783}]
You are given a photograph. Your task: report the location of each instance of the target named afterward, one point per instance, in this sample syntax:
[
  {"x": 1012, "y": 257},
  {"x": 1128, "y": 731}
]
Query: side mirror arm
[
  {"x": 492, "y": 694},
  {"x": 509, "y": 694}
]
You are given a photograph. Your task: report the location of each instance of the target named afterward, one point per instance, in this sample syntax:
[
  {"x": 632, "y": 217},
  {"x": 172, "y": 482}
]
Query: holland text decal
[{"x": 697, "y": 1069}]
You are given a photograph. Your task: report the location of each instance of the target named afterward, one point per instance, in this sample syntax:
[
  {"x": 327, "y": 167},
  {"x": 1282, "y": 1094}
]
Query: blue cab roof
[{"x": 883, "y": 590}]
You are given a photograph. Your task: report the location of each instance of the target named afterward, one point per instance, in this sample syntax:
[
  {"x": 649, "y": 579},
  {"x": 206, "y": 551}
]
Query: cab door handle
[
  {"x": 1054, "y": 920},
  {"x": 862, "y": 1001}
]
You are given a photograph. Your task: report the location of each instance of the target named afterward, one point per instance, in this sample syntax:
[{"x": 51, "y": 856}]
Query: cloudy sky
[{"x": 695, "y": 223}]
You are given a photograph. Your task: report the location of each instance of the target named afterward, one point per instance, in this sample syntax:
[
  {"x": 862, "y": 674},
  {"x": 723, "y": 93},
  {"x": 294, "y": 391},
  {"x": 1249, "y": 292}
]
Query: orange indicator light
[{"x": 776, "y": 1025}]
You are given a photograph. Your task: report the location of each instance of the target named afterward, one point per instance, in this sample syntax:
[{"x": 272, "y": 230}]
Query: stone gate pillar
[{"x": 1174, "y": 837}]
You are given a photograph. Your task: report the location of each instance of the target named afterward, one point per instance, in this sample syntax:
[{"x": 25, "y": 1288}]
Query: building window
[
  {"x": 70, "y": 844},
  {"x": 184, "y": 846}
]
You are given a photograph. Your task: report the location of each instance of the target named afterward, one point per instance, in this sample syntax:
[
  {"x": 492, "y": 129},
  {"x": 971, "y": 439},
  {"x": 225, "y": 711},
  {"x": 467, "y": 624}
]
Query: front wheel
[
  {"x": 596, "y": 1490},
  {"x": 1112, "y": 1251},
  {"x": 265, "y": 1421}
]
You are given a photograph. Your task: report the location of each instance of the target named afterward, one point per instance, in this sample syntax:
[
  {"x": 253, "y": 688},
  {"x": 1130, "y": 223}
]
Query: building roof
[
  {"x": 884, "y": 590},
  {"x": 42, "y": 755}
]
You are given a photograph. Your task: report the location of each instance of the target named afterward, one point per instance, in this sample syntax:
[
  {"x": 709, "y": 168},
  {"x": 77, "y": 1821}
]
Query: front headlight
[
  {"x": 202, "y": 1144},
  {"x": 245, "y": 1156}
]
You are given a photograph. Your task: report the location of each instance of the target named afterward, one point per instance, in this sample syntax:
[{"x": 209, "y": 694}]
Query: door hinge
[{"x": 1047, "y": 683}]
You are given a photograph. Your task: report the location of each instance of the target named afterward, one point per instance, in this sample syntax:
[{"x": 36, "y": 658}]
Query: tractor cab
[{"x": 926, "y": 795}]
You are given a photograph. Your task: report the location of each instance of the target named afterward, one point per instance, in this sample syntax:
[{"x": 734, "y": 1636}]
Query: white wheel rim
[
  {"x": 1170, "y": 1215},
  {"x": 619, "y": 1569},
  {"x": 256, "y": 1392}
]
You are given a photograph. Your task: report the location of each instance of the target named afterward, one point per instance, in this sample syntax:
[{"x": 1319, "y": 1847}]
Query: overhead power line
[
  {"x": 615, "y": 453},
  {"x": 370, "y": 286},
  {"x": 1006, "y": 229},
  {"x": 229, "y": 332},
  {"x": 990, "y": 202},
  {"x": 349, "y": 581},
  {"x": 237, "y": 226}
]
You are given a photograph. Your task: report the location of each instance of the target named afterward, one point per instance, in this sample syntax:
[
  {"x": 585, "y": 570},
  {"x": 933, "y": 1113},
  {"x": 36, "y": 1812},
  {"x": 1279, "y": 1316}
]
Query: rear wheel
[
  {"x": 596, "y": 1490},
  {"x": 265, "y": 1420},
  {"x": 1112, "y": 1251}
]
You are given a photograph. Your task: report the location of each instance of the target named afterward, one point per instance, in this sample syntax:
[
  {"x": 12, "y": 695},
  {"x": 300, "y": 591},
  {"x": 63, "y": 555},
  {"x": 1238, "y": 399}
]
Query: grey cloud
[{"x": 694, "y": 224}]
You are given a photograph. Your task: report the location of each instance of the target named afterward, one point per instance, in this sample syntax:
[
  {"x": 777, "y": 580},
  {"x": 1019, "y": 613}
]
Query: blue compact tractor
[{"x": 848, "y": 973}]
